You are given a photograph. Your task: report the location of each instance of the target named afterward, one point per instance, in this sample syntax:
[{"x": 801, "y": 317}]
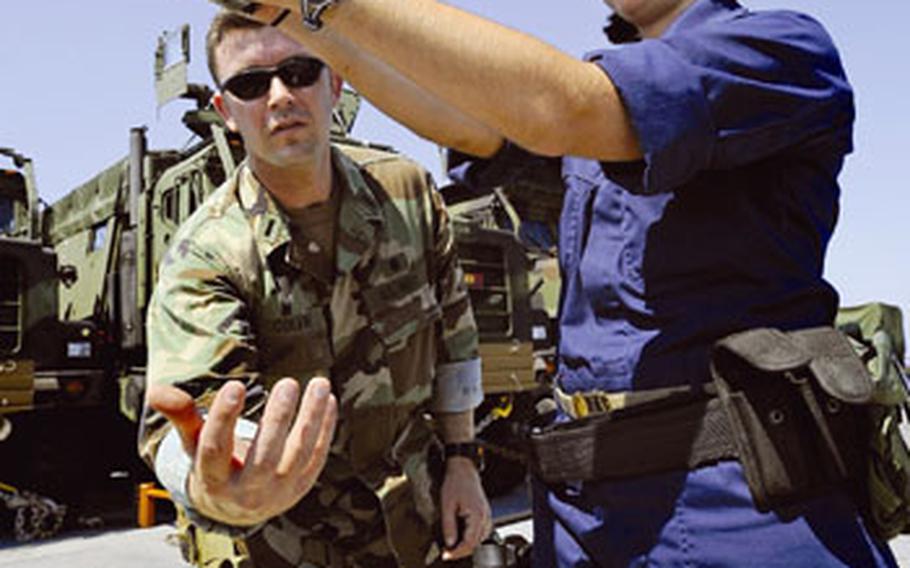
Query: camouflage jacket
[{"x": 234, "y": 300}]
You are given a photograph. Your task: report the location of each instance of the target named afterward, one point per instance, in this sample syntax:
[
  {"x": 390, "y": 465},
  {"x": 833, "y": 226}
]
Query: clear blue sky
[{"x": 78, "y": 75}]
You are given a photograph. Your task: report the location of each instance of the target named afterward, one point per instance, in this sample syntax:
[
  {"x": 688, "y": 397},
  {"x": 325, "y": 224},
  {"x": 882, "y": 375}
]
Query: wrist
[
  {"x": 461, "y": 465},
  {"x": 206, "y": 519},
  {"x": 464, "y": 453}
]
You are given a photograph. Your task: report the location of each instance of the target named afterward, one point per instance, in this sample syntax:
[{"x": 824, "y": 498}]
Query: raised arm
[
  {"x": 392, "y": 92},
  {"x": 516, "y": 86}
]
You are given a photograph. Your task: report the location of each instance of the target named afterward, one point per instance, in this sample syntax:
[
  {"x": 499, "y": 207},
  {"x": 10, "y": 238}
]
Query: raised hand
[{"x": 245, "y": 482}]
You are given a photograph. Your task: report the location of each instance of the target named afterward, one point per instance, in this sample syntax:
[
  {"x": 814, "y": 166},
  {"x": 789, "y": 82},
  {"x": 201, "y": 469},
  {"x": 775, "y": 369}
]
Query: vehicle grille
[
  {"x": 10, "y": 305},
  {"x": 488, "y": 285}
]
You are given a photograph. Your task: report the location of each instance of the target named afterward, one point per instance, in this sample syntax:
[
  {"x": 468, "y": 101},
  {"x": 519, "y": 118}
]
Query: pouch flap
[
  {"x": 765, "y": 349},
  {"x": 836, "y": 366}
]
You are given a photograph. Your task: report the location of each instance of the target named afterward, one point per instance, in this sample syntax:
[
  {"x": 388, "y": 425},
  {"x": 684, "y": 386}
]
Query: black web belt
[{"x": 677, "y": 433}]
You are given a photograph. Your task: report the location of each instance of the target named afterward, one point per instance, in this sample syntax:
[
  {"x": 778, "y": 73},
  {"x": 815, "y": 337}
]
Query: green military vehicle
[
  {"x": 48, "y": 368},
  {"x": 46, "y": 363},
  {"x": 27, "y": 274}
]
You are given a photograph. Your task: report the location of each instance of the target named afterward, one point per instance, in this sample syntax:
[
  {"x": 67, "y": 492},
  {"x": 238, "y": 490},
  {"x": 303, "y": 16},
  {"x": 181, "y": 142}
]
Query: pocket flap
[
  {"x": 766, "y": 349},
  {"x": 835, "y": 364},
  {"x": 401, "y": 306}
]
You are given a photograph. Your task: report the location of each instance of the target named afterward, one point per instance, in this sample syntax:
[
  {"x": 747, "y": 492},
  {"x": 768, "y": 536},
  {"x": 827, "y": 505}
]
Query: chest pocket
[
  {"x": 403, "y": 312},
  {"x": 402, "y": 303},
  {"x": 295, "y": 331}
]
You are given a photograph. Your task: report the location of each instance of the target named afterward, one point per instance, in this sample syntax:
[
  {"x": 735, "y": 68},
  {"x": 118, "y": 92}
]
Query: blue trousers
[{"x": 704, "y": 517}]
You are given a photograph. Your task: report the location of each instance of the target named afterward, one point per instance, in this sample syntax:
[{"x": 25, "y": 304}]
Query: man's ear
[
  {"x": 221, "y": 106},
  {"x": 336, "y": 83}
]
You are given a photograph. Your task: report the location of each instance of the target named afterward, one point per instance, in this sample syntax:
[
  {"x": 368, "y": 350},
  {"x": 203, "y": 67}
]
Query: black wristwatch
[
  {"x": 471, "y": 450},
  {"x": 312, "y": 11}
]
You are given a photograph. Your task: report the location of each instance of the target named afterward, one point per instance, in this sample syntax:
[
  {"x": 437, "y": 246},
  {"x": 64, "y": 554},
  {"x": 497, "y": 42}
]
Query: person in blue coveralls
[{"x": 700, "y": 163}]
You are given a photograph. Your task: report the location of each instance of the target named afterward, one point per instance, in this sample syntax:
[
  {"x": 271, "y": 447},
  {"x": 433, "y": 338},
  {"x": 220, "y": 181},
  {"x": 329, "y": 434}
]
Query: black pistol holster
[{"x": 795, "y": 402}]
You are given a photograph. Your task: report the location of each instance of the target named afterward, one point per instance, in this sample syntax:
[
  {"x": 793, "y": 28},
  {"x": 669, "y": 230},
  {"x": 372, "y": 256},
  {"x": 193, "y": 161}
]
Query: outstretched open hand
[{"x": 245, "y": 482}]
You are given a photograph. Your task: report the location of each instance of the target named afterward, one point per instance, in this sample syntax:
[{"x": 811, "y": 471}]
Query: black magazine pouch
[{"x": 795, "y": 403}]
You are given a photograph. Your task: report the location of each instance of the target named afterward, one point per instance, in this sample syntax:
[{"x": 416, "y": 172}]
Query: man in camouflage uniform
[{"x": 331, "y": 272}]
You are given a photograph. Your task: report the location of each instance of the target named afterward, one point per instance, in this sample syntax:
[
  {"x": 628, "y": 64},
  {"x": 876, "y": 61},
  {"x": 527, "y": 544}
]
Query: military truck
[
  {"x": 45, "y": 362},
  {"x": 49, "y": 374},
  {"x": 27, "y": 291}
]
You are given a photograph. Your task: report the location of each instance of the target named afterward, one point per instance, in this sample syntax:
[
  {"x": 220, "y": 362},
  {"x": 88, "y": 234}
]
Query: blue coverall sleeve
[
  {"x": 738, "y": 89},
  {"x": 509, "y": 165}
]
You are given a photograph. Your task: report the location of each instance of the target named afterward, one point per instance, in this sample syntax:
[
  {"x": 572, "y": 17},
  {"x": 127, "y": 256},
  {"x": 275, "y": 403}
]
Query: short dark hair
[
  {"x": 620, "y": 31},
  {"x": 223, "y": 23}
]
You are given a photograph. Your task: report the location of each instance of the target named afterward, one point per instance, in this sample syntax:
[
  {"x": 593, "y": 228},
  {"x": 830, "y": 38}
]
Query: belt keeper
[{"x": 580, "y": 405}]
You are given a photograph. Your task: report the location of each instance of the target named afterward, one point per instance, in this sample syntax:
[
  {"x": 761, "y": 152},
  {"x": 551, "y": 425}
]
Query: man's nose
[{"x": 279, "y": 93}]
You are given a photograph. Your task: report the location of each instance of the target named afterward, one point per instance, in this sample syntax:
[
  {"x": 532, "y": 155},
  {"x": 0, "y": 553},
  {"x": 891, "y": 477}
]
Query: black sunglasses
[{"x": 294, "y": 72}]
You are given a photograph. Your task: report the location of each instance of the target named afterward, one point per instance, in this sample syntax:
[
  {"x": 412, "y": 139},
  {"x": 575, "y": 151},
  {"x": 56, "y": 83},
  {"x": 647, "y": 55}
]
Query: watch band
[
  {"x": 312, "y": 10},
  {"x": 471, "y": 450}
]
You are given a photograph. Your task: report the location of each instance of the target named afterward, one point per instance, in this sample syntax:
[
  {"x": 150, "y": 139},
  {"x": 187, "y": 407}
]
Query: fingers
[
  {"x": 476, "y": 528},
  {"x": 474, "y": 532},
  {"x": 320, "y": 451},
  {"x": 216, "y": 440},
  {"x": 244, "y": 6},
  {"x": 180, "y": 409},
  {"x": 464, "y": 546},
  {"x": 274, "y": 12},
  {"x": 449, "y": 514},
  {"x": 263, "y": 13},
  {"x": 298, "y": 451},
  {"x": 313, "y": 428},
  {"x": 269, "y": 445},
  {"x": 292, "y": 5},
  {"x": 282, "y": 15}
]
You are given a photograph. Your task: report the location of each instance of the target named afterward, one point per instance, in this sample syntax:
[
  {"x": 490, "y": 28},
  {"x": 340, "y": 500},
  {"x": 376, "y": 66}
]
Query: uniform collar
[
  {"x": 358, "y": 222},
  {"x": 700, "y": 12},
  {"x": 359, "y": 214}
]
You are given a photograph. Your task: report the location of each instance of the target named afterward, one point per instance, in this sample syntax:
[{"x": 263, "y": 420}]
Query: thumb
[
  {"x": 449, "y": 522},
  {"x": 180, "y": 409}
]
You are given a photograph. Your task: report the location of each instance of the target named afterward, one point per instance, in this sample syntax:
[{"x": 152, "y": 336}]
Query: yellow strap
[
  {"x": 580, "y": 405},
  {"x": 586, "y": 403},
  {"x": 505, "y": 410}
]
